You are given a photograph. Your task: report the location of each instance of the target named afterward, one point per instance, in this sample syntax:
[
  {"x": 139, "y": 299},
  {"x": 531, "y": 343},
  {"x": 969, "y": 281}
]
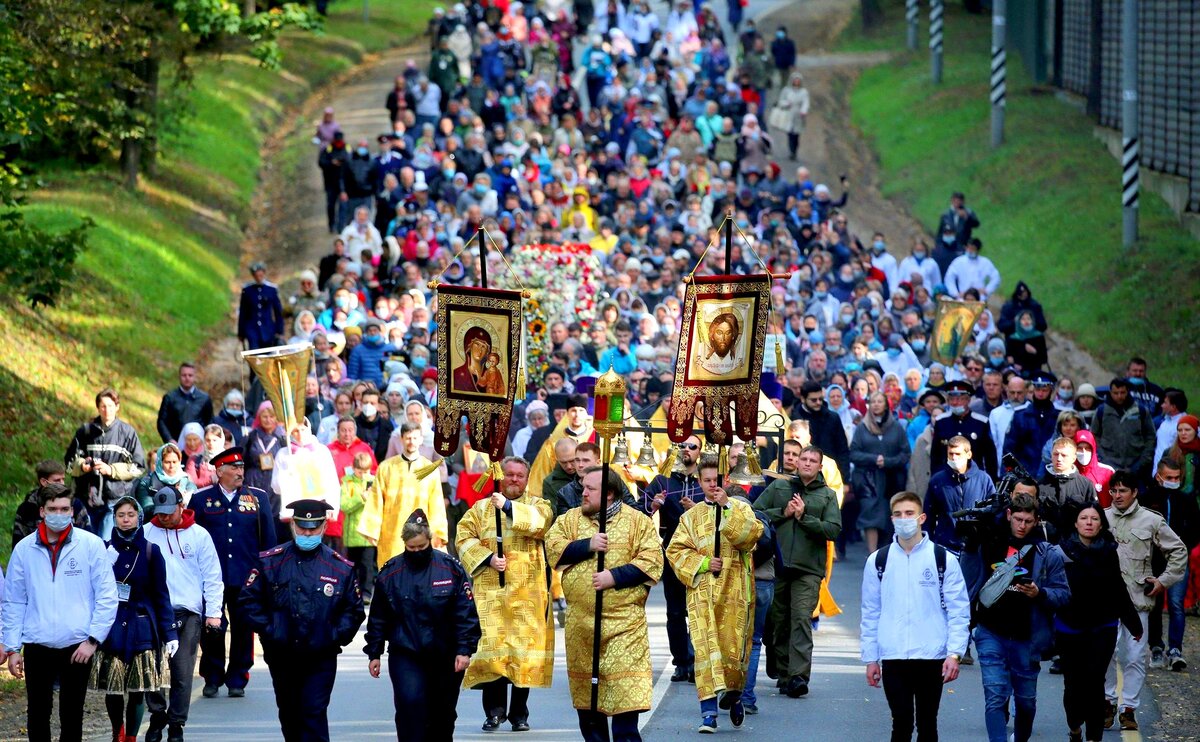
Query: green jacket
[
  {"x": 553, "y": 483},
  {"x": 802, "y": 543},
  {"x": 353, "y": 500}
]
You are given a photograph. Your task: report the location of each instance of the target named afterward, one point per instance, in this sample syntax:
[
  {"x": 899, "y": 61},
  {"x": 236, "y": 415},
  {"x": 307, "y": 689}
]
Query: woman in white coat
[{"x": 790, "y": 112}]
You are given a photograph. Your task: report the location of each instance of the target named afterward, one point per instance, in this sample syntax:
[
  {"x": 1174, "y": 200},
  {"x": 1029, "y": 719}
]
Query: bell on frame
[
  {"x": 748, "y": 471},
  {"x": 646, "y": 455},
  {"x": 621, "y": 455}
]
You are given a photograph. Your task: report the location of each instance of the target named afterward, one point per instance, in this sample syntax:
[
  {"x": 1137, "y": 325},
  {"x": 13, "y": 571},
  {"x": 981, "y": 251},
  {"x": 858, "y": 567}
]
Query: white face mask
[
  {"x": 1083, "y": 457},
  {"x": 368, "y": 410},
  {"x": 1170, "y": 485},
  {"x": 906, "y": 528}
]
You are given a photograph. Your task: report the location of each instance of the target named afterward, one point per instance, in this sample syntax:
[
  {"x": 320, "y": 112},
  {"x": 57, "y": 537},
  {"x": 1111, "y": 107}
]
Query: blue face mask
[
  {"x": 919, "y": 256},
  {"x": 307, "y": 543},
  {"x": 918, "y": 346},
  {"x": 57, "y": 522},
  {"x": 362, "y": 151},
  {"x": 874, "y": 314},
  {"x": 996, "y": 361},
  {"x": 373, "y": 340},
  {"x": 821, "y": 295},
  {"x": 972, "y": 256},
  {"x": 879, "y": 246},
  {"x": 830, "y": 348},
  {"x": 1137, "y": 381},
  {"x": 853, "y": 366},
  {"x": 846, "y": 319},
  {"x": 893, "y": 352},
  {"x": 480, "y": 190},
  {"x": 448, "y": 174},
  {"x": 949, "y": 239},
  {"x": 419, "y": 364}
]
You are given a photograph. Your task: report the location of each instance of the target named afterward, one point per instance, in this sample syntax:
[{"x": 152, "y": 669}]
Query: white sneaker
[
  {"x": 1175, "y": 660},
  {"x": 1156, "y": 659}
]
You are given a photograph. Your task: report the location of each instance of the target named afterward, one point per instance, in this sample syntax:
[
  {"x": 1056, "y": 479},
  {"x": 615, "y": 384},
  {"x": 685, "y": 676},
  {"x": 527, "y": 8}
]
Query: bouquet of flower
[{"x": 564, "y": 280}]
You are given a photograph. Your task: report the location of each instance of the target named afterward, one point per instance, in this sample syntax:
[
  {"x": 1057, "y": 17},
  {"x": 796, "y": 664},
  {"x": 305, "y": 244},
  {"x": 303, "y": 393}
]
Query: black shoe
[
  {"x": 155, "y": 732},
  {"x": 737, "y": 713},
  {"x": 781, "y": 683},
  {"x": 725, "y": 701},
  {"x": 772, "y": 668},
  {"x": 797, "y": 687},
  {"x": 237, "y": 693},
  {"x": 520, "y": 726},
  {"x": 692, "y": 675},
  {"x": 680, "y": 675},
  {"x": 210, "y": 690},
  {"x": 175, "y": 733},
  {"x": 493, "y": 723}
]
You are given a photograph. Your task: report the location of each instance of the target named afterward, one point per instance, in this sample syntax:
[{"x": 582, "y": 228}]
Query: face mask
[
  {"x": 743, "y": 223},
  {"x": 57, "y": 522},
  {"x": 362, "y": 151},
  {"x": 954, "y": 466},
  {"x": 918, "y": 346},
  {"x": 368, "y": 410},
  {"x": 125, "y": 535},
  {"x": 948, "y": 239},
  {"x": 812, "y": 335},
  {"x": 780, "y": 35},
  {"x": 829, "y": 348},
  {"x": 821, "y": 295},
  {"x": 845, "y": 319},
  {"x": 879, "y": 246},
  {"x": 1065, "y": 394},
  {"x": 874, "y": 314},
  {"x": 307, "y": 543},
  {"x": 893, "y": 352},
  {"x": 373, "y": 340},
  {"x": 906, "y": 528},
  {"x": 853, "y": 366},
  {"x": 972, "y": 256},
  {"x": 1170, "y": 485},
  {"x": 235, "y": 413},
  {"x": 420, "y": 558},
  {"x": 480, "y": 190},
  {"x": 958, "y": 410},
  {"x": 1084, "y": 457},
  {"x": 919, "y": 255},
  {"x": 342, "y": 302},
  {"x": 419, "y": 364},
  {"x": 1137, "y": 381},
  {"x": 448, "y": 174}
]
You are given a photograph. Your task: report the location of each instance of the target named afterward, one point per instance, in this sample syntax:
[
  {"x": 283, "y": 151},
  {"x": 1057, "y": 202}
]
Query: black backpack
[{"x": 939, "y": 559}]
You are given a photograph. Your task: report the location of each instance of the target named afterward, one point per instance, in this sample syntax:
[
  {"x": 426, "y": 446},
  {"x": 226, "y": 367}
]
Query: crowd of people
[{"x": 634, "y": 134}]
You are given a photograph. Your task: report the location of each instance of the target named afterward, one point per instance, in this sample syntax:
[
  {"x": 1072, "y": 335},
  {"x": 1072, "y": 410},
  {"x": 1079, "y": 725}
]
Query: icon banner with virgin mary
[
  {"x": 953, "y": 328},
  {"x": 479, "y": 355},
  {"x": 720, "y": 357}
]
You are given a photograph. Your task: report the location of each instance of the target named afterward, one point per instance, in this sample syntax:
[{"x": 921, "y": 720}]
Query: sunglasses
[{"x": 691, "y": 446}]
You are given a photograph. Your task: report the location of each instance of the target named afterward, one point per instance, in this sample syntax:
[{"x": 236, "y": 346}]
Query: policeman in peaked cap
[
  {"x": 959, "y": 420},
  {"x": 305, "y": 603},
  {"x": 239, "y": 519}
]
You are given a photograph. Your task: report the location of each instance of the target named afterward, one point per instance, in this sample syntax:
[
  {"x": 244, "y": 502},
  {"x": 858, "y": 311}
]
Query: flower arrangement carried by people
[{"x": 564, "y": 280}]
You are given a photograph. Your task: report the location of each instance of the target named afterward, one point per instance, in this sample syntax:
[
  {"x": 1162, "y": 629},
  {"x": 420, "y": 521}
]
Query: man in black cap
[
  {"x": 959, "y": 420},
  {"x": 305, "y": 603},
  {"x": 239, "y": 519},
  {"x": 1033, "y": 425}
]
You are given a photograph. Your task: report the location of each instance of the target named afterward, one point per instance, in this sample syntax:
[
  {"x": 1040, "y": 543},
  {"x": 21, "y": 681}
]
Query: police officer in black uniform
[
  {"x": 305, "y": 603},
  {"x": 238, "y": 518},
  {"x": 423, "y": 608},
  {"x": 959, "y": 420},
  {"x": 260, "y": 314}
]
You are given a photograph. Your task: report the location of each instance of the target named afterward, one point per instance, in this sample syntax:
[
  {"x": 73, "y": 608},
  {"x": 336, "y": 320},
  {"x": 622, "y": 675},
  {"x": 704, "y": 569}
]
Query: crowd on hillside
[{"x": 635, "y": 133}]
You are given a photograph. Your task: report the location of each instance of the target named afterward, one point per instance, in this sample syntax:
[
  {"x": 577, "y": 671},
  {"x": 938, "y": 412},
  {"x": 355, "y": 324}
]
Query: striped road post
[
  {"x": 999, "y": 71},
  {"x": 936, "y": 10},
  {"x": 1129, "y": 124},
  {"x": 912, "y": 13}
]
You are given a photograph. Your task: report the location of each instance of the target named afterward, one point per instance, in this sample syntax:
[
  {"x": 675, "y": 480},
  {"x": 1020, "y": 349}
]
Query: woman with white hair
[
  {"x": 232, "y": 416},
  {"x": 791, "y": 112},
  {"x": 753, "y": 145}
]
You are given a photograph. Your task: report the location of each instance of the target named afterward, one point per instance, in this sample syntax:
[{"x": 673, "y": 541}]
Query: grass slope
[
  {"x": 154, "y": 285},
  {"x": 1049, "y": 200}
]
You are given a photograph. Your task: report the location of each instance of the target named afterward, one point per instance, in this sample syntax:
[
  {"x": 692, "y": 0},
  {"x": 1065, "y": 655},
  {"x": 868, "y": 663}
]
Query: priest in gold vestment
[
  {"x": 633, "y": 563},
  {"x": 517, "y": 647},
  {"x": 398, "y": 491},
  {"x": 720, "y": 594}
]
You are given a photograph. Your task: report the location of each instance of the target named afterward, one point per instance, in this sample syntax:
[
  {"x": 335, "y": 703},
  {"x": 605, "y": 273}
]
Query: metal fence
[{"x": 1087, "y": 61}]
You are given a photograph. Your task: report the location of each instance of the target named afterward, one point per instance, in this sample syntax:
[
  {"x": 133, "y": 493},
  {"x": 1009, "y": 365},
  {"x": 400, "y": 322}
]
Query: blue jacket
[
  {"x": 425, "y": 611},
  {"x": 1031, "y": 427},
  {"x": 146, "y": 620},
  {"x": 260, "y": 315},
  {"x": 366, "y": 362},
  {"x": 950, "y": 492},
  {"x": 1049, "y": 573},
  {"x": 240, "y": 529},
  {"x": 303, "y": 601}
]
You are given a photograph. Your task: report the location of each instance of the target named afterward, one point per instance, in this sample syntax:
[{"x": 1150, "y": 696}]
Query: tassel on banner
[
  {"x": 425, "y": 471},
  {"x": 778, "y": 358},
  {"x": 494, "y": 472},
  {"x": 521, "y": 388},
  {"x": 723, "y": 460},
  {"x": 752, "y": 461},
  {"x": 668, "y": 463}
]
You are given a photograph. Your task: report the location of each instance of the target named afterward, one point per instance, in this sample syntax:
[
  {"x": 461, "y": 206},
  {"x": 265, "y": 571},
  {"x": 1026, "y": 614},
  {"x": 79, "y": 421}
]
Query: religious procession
[{"x": 600, "y": 416}]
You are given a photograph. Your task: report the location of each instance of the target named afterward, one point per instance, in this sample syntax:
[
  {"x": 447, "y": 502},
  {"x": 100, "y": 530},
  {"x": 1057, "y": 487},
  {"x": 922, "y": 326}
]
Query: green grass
[
  {"x": 1049, "y": 200},
  {"x": 154, "y": 285}
]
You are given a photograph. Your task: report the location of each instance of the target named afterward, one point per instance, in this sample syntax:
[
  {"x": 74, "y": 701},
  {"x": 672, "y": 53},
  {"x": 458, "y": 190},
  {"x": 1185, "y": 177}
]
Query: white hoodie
[{"x": 193, "y": 569}]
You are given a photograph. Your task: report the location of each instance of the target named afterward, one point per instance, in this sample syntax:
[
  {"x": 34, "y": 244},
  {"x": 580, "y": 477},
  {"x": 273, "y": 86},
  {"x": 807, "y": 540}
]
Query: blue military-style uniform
[
  {"x": 972, "y": 426},
  {"x": 241, "y": 527},
  {"x": 305, "y": 605},
  {"x": 260, "y": 315}
]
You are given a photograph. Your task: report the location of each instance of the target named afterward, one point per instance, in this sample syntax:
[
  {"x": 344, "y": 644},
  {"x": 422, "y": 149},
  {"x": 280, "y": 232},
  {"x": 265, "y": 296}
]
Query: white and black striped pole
[
  {"x": 936, "y": 10},
  {"x": 999, "y": 70},
  {"x": 912, "y": 13},
  {"x": 1129, "y": 124}
]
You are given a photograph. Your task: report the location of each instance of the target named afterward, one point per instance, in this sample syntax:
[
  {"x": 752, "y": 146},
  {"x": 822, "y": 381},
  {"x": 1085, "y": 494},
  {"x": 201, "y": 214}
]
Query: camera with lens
[{"x": 976, "y": 524}]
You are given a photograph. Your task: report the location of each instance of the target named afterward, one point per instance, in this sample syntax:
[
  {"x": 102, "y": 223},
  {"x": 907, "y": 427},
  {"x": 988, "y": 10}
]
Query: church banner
[
  {"x": 479, "y": 361},
  {"x": 720, "y": 359},
  {"x": 953, "y": 327}
]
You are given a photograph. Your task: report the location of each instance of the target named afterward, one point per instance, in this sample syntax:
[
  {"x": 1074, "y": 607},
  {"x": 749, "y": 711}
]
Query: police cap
[{"x": 309, "y": 513}]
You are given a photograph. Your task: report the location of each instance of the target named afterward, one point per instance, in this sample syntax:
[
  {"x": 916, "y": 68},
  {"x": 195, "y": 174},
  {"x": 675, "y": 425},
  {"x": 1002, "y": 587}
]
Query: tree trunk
[
  {"x": 149, "y": 104},
  {"x": 872, "y": 14},
  {"x": 249, "y": 8},
  {"x": 131, "y": 156}
]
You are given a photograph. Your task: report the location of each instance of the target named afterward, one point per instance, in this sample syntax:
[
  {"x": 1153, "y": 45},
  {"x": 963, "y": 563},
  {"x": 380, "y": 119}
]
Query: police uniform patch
[
  {"x": 251, "y": 577},
  {"x": 328, "y": 590}
]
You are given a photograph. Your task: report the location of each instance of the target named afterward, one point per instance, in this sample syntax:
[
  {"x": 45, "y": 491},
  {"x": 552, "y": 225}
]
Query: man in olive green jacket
[{"x": 805, "y": 514}]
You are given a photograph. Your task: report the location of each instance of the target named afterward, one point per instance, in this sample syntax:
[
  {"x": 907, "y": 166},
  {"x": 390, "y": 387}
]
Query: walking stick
[
  {"x": 608, "y": 418},
  {"x": 500, "y": 533},
  {"x": 717, "y": 536}
]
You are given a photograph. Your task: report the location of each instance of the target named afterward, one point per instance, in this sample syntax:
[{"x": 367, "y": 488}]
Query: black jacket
[
  {"x": 1008, "y": 313},
  {"x": 118, "y": 446},
  {"x": 423, "y": 610},
  {"x": 1181, "y": 511},
  {"x": 29, "y": 515},
  {"x": 827, "y": 434},
  {"x": 303, "y": 601},
  {"x": 146, "y": 620},
  {"x": 179, "y": 408},
  {"x": 1098, "y": 594},
  {"x": 675, "y": 486},
  {"x": 1059, "y": 500}
]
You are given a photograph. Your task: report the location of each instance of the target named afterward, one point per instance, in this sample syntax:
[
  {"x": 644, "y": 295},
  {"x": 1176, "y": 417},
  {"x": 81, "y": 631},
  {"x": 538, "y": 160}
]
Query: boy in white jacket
[
  {"x": 915, "y": 617},
  {"x": 60, "y": 602}
]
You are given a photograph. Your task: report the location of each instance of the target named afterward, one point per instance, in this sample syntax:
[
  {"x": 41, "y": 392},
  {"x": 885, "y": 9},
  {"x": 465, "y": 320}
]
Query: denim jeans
[
  {"x": 764, "y": 595},
  {"x": 1010, "y": 669},
  {"x": 1175, "y": 595}
]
